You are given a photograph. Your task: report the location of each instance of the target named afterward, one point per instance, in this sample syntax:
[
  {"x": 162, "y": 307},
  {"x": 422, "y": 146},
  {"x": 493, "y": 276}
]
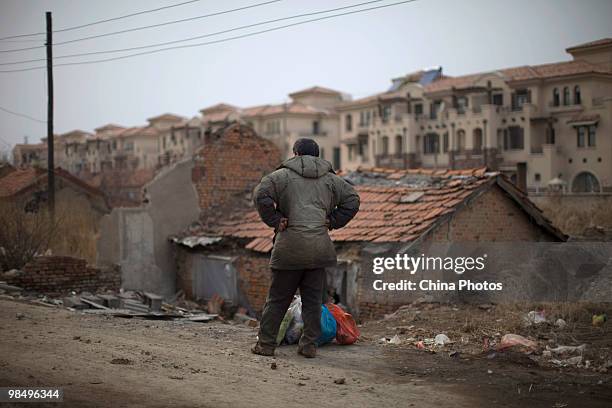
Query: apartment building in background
[
  {"x": 30, "y": 154},
  {"x": 546, "y": 125},
  {"x": 309, "y": 113}
]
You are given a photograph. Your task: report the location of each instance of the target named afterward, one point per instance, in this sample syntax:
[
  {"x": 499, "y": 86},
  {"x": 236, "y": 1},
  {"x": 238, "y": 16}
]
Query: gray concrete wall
[{"x": 137, "y": 238}]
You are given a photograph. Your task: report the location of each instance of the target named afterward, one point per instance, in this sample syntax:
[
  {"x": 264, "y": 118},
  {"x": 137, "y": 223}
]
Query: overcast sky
[{"x": 357, "y": 54}]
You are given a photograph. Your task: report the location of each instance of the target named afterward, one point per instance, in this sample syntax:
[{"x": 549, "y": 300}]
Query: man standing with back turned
[{"x": 301, "y": 200}]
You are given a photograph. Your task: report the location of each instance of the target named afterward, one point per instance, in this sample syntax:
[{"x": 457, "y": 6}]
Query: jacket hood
[{"x": 308, "y": 166}]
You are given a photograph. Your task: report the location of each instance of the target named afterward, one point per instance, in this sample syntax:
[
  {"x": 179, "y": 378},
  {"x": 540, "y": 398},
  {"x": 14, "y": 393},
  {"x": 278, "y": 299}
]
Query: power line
[
  {"x": 22, "y": 115},
  {"x": 105, "y": 20},
  {"x": 217, "y": 13},
  {"x": 215, "y": 41},
  {"x": 21, "y": 41},
  {"x": 196, "y": 37}
]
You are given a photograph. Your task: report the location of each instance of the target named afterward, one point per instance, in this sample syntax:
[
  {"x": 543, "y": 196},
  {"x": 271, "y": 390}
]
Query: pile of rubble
[{"x": 134, "y": 304}]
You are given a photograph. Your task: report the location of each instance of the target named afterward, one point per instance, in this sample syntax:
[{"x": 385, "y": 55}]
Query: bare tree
[{"x": 24, "y": 233}]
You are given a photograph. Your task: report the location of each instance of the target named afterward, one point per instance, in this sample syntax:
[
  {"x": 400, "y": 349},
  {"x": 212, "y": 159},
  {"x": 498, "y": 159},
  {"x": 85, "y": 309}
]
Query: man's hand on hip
[{"x": 282, "y": 224}]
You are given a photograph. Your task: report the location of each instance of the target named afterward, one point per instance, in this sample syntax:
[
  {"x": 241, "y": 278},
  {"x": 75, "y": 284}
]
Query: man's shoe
[
  {"x": 308, "y": 351},
  {"x": 262, "y": 350}
]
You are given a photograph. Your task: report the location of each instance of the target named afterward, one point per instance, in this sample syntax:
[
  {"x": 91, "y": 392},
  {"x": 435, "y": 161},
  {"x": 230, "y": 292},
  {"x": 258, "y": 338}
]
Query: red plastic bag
[{"x": 347, "y": 331}]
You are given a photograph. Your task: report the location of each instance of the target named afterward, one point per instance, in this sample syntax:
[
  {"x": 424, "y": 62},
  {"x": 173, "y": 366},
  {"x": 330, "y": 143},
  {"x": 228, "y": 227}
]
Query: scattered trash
[
  {"x": 328, "y": 327},
  {"x": 441, "y": 339},
  {"x": 599, "y": 319},
  {"x": 347, "y": 331},
  {"x": 510, "y": 340},
  {"x": 534, "y": 317},
  {"x": 273, "y": 366},
  {"x": 153, "y": 301},
  {"x": 454, "y": 354},
  {"x": 20, "y": 316},
  {"x": 75, "y": 303},
  {"x": 215, "y": 304},
  {"x": 560, "y": 323},
  {"x": 420, "y": 345},
  {"x": 296, "y": 325},
  {"x": 93, "y": 301},
  {"x": 10, "y": 288},
  {"x": 202, "y": 317},
  {"x": 294, "y": 309},
  {"x": 243, "y": 318},
  {"x": 110, "y": 301},
  {"x": 573, "y": 361},
  {"x": 489, "y": 372},
  {"x": 340, "y": 381},
  {"x": 561, "y": 350},
  {"x": 395, "y": 340}
]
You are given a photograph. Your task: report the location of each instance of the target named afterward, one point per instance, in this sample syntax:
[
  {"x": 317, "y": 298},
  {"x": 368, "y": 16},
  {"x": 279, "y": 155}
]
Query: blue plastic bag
[{"x": 328, "y": 327}]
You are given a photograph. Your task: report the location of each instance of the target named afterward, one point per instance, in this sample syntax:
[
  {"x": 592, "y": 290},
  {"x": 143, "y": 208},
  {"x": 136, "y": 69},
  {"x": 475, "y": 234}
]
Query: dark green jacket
[{"x": 307, "y": 192}]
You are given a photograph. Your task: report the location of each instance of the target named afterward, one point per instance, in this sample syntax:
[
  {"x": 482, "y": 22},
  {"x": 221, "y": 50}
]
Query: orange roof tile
[
  {"x": 22, "y": 179},
  {"x": 382, "y": 216}
]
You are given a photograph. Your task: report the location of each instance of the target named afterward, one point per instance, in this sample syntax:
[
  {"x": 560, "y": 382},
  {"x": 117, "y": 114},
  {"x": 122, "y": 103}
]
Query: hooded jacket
[{"x": 306, "y": 191}]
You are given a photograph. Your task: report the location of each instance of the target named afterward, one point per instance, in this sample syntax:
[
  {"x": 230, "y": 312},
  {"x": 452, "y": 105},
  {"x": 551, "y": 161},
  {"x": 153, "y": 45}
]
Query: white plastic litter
[{"x": 441, "y": 339}]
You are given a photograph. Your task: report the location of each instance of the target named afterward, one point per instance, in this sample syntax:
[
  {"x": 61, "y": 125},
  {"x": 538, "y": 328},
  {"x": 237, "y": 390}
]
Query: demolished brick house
[
  {"x": 231, "y": 160},
  {"x": 79, "y": 207},
  {"x": 399, "y": 209}
]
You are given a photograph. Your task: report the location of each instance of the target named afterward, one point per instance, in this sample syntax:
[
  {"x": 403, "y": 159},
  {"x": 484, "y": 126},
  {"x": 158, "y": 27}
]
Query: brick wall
[
  {"x": 491, "y": 217},
  {"x": 230, "y": 165},
  {"x": 57, "y": 275},
  {"x": 254, "y": 278}
]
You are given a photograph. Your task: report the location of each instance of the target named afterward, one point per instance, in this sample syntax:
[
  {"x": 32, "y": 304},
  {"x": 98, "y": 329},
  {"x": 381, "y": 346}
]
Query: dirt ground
[{"x": 109, "y": 361}]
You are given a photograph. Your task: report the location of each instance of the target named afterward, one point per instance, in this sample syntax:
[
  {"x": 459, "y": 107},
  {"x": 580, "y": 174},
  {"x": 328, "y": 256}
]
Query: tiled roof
[
  {"x": 139, "y": 131},
  {"x": 166, "y": 117},
  {"x": 447, "y": 83},
  {"x": 557, "y": 69},
  {"x": 219, "y": 107},
  {"x": 527, "y": 72},
  {"x": 76, "y": 132},
  {"x": 110, "y": 126},
  {"x": 17, "y": 181},
  {"x": 316, "y": 89},
  {"x": 22, "y": 179},
  {"x": 371, "y": 99},
  {"x": 293, "y": 108},
  {"x": 590, "y": 44},
  {"x": 396, "y": 206}
]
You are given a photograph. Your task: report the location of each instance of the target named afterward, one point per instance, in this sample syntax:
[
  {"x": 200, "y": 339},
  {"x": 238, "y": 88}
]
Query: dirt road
[
  {"x": 109, "y": 361},
  {"x": 189, "y": 365}
]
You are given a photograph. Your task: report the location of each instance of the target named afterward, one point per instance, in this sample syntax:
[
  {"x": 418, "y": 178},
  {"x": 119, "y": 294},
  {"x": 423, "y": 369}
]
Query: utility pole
[{"x": 50, "y": 153}]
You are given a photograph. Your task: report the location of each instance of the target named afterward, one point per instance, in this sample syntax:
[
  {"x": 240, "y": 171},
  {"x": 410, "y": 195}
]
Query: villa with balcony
[{"x": 542, "y": 125}]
